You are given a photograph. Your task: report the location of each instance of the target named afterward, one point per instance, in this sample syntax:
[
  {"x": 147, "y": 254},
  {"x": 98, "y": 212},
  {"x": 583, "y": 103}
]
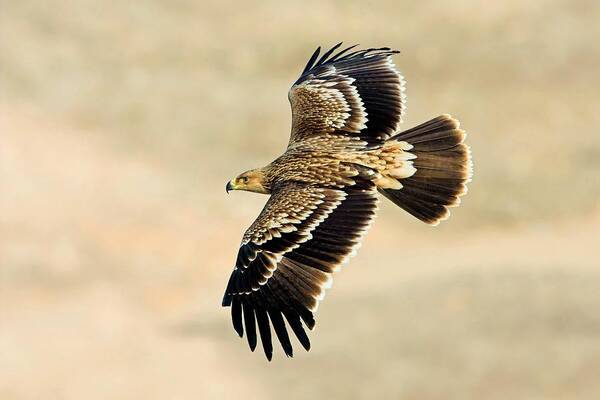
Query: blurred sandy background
[{"x": 121, "y": 122}]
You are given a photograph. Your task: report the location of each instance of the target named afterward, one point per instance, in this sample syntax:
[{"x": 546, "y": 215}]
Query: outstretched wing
[
  {"x": 288, "y": 256},
  {"x": 358, "y": 93}
]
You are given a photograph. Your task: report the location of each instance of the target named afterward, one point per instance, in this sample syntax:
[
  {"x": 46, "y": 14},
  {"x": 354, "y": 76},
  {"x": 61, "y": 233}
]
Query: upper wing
[
  {"x": 359, "y": 94},
  {"x": 285, "y": 273}
]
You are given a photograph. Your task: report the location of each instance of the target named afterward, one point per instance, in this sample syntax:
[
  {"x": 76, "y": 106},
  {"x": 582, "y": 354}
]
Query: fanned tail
[{"x": 443, "y": 169}]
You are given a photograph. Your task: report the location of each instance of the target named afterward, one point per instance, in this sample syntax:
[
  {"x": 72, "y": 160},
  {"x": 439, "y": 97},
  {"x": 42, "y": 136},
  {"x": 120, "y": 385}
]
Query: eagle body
[
  {"x": 344, "y": 150},
  {"x": 331, "y": 161}
]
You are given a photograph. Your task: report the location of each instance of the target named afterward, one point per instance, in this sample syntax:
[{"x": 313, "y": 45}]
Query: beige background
[{"x": 120, "y": 124}]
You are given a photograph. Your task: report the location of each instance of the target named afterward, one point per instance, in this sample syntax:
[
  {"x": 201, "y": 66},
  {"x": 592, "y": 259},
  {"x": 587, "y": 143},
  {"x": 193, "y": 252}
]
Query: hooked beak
[{"x": 229, "y": 187}]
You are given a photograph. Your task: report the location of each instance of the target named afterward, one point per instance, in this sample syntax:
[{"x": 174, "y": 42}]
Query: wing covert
[{"x": 285, "y": 222}]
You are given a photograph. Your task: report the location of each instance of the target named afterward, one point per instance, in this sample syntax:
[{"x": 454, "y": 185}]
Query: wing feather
[
  {"x": 300, "y": 273},
  {"x": 250, "y": 323},
  {"x": 358, "y": 94}
]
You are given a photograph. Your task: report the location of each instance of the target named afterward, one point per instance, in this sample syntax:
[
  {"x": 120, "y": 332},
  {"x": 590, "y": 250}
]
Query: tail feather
[{"x": 444, "y": 167}]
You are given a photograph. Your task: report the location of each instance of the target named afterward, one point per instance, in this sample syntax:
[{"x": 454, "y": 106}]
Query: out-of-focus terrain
[{"x": 121, "y": 124}]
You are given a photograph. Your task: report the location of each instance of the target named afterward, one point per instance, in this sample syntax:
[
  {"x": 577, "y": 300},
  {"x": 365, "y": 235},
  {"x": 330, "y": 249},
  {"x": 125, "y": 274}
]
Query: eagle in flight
[{"x": 344, "y": 149}]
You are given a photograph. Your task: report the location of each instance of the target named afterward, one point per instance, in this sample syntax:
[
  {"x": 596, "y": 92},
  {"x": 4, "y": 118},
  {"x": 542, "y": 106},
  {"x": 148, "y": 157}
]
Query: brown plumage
[{"x": 343, "y": 149}]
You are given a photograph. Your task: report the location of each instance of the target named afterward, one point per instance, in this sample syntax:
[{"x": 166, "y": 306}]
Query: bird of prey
[{"x": 344, "y": 149}]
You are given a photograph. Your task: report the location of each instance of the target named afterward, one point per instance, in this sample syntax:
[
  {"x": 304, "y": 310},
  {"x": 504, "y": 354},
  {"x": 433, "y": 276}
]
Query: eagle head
[{"x": 251, "y": 181}]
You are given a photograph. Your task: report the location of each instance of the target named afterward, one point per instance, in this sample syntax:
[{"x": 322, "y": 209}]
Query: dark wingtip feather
[
  {"x": 265, "y": 331},
  {"x": 227, "y": 297},
  {"x": 294, "y": 322},
  {"x": 250, "y": 323},
  {"x": 340, "y": 53},
  {"x": 309, "y": 320},
  {"x": 236, "y": 316},
  {"x": 281, "y": 332},
  {"x": 312, "y": 59},
  {"x": 328, "y": 53},
  {"x": 226, "y": 300}
]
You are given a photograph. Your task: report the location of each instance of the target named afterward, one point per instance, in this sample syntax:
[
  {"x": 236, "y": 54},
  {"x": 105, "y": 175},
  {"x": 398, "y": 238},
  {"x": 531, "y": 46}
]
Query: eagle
[{"x": 344, "y": 149}]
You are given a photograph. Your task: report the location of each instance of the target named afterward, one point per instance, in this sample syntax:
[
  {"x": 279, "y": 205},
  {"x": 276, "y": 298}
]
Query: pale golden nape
[{"x": 251, "y": 181}]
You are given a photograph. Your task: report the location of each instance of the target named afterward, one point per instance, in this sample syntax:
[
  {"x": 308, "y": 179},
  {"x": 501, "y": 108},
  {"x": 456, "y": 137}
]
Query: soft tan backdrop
[{"x": 121, "y": 122}]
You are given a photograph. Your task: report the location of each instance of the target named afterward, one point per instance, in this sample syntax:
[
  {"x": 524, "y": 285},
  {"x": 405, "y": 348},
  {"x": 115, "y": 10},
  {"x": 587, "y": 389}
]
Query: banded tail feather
[{"x": 443, "y": 169}]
